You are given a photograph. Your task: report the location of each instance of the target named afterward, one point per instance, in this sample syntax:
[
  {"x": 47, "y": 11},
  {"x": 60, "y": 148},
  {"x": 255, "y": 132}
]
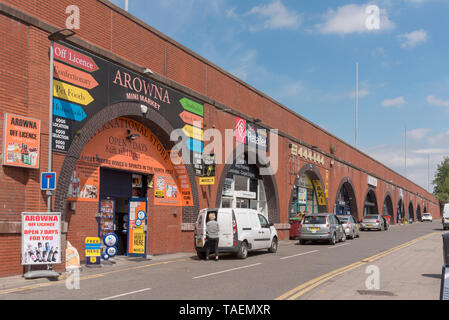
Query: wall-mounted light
[
  {"x": 144, "y": 109},
  {"x": 148, "y": 71},
  {"x": 130, "y": 136}
]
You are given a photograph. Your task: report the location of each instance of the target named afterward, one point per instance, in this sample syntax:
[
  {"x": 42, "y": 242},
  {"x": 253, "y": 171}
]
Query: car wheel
[
  {"x": 243, "y": 251},
  {"x": 302, "y": 242},
  {"x": 333, "y": 240},
  {"x": 274, "y": 245}
]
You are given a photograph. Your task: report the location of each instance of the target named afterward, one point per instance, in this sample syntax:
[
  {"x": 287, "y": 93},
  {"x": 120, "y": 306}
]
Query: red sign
[
  {"x": 192, "y": 119},
  {"x": 74, "y": 76},
  {"x": 74, "y": 58},
  {"x": 240, "y": 130}
]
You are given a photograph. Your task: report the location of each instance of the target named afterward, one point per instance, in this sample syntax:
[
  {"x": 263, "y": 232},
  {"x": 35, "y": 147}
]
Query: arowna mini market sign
[{"x": 84, "y": 84}]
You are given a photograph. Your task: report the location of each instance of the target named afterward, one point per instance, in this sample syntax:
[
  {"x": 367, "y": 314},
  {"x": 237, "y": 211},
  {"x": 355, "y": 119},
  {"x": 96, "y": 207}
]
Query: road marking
[
  {"x": 341, "y": 245},
  {"x": 211, "y": 274},
  {"x": 126, "y": 294},
  {"x": 87, "y": 277},
  {"x": 299, "y": 254},
  {"x": 305, "y": 287}
]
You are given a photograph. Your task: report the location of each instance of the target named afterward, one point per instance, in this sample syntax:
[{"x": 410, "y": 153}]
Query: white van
[
  {"x": 241, "y": 230},
  {"x": 445, "y": 218}
]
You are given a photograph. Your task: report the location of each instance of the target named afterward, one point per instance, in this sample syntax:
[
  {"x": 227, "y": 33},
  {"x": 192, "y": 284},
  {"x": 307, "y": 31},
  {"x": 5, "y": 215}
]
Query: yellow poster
[
  {"x": 321, "y": 197},
  {"x": 137, "y": 221}
]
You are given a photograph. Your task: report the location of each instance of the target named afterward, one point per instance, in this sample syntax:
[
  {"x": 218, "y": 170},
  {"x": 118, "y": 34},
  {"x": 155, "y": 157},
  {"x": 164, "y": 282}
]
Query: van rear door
[
  {"x": 200, "y": 229},
  {"x": 224, "y": 219}
]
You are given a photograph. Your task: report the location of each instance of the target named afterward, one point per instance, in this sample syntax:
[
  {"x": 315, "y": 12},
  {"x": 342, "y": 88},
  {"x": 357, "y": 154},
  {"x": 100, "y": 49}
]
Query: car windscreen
[
  {"x": 371, "y": 217},
  {"x": 343, "y": 219},
  {"x": 315, "y": 220}
]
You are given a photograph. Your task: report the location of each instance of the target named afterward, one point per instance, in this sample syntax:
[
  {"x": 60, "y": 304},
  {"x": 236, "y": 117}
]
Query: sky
[{"x": 303, "y": 54}]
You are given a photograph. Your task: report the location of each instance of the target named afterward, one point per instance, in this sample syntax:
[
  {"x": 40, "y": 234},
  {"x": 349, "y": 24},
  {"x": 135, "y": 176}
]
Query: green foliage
[{"x": 441, "y": 181}]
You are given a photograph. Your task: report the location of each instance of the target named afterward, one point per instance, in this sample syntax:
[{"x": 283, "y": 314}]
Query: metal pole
[
  {"x": 50, "y": 122},
  {"x": 126, "y": 5},
  {"x": 356, "y": 101},
  {"x": 405, "y": 149}
]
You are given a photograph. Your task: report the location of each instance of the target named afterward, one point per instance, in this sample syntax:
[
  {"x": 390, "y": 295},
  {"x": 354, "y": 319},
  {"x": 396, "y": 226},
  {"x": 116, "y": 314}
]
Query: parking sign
[{"x": 48, "y": 180}]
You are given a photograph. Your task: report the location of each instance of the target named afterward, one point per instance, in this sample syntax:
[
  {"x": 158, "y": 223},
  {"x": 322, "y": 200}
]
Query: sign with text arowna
[
  {"x": 41, "y": 238},
  {"x": 21, "y": 141}
]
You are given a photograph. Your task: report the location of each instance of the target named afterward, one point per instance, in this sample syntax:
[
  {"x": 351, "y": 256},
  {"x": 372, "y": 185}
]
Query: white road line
[
  {"x": 125, "y": 294},
  {"x": 341, "y": 245},
  {"x": 211, "y": 274},
  {"x": 299, "y": 254}
]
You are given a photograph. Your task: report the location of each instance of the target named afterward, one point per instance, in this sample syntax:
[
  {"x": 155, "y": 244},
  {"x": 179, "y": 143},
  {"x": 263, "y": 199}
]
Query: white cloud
[
  {"x": 276, "y": 16},
  {"x": 412, "y": 39},
  {"x": 432, "y": 151},
  {"x": 362, "y": 93},
  {"x": 418, "y": 134},
  {"x": 351, "y": 18},
  {"x": 438, "y": 102},
  {"x": 292, "y": 89},
  {"x": 396, "y": 102}
]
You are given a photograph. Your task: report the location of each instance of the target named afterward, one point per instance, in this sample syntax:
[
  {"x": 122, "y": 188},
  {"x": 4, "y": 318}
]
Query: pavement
[{"x": 411, "y": 273}]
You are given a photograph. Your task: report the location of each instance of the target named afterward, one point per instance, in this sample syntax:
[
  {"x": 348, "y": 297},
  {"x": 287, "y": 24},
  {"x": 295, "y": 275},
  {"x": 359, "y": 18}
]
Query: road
[{"x": 261, "y": 276}]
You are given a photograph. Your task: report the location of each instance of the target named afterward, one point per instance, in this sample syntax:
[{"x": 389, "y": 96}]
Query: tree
[{"x": 441, "y": 181}]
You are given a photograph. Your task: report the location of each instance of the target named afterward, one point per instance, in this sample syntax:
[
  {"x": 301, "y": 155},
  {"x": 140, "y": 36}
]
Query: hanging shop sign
[
  {"x": 240, "y": 130},
  {"x": 21, "y": 141},
  {"x": 84, "y": 84},
  {"x": 41, "y": 238},
  {"x": 208, "y": 165},
  {"x": 256, "y": 137},
  {"x": 321, "y": 197},
  {"x": 245, "y": 194},
  {"x": 327, "y": 184},
  {"x": 372, "y": 181},
  {"x": 136, "y": 232}
]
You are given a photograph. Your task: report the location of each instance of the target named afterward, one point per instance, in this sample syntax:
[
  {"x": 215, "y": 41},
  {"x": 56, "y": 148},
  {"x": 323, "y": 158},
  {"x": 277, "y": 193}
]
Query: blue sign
[
  {"x": 195, "y": 145},
  {"x": 68, "y": 110},
  {"x": 110, "y": 239},
  {"x": 111, "y": 251},
  {"x": 48, "y": 180}
]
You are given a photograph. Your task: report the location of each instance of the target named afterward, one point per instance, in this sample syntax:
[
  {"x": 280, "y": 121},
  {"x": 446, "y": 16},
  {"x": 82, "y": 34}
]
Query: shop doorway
[
  {"x": 387, "y": 209},
  {"x": 411, "y": 214},
  {"x": 400, "y": 211},
  {"x": 120, "y": 193},
  {"x": 345, "y": 202},
  {"x": 370, "y": 206},
  {"x": 418, "y": 213}
]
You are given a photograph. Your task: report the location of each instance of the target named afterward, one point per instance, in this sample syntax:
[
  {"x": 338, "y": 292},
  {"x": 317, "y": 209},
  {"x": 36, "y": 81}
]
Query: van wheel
[
  {"x": 201, "y": 255},
  {"x": 274, "y": 246},
  {"x": 243, "y": 251}
]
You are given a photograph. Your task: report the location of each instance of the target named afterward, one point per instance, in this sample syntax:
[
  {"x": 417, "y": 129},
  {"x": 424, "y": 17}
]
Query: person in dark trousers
[{"x": 212, "y": 230}]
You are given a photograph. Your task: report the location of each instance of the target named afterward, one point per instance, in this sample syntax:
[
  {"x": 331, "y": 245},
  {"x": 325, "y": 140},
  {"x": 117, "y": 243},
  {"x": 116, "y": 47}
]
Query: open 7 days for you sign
[{"x": 41, "y": 238}]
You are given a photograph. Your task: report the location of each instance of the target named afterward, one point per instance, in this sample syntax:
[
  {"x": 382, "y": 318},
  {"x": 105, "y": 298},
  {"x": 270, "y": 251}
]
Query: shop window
[
  {"x": 226, "y": 203},
  {"x": 240, "y": 183}
]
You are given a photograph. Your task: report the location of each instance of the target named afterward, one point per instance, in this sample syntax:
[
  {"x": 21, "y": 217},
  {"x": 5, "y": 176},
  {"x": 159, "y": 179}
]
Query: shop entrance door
[{"x": 137, "y": 232}]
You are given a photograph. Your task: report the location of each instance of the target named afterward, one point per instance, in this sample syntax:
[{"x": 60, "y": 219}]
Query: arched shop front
[
  {"x": 242, "y": 185},
  {"x": 307, "y": 196},
  {"x": 418, "y": 213},
  {"x": 411, "y": 213},
  {"x": 387, "y": 208},
  {"x": 346, "y": 202},
  {"x": 126, "y": 173},
  {"x": 370, "y": 203}
]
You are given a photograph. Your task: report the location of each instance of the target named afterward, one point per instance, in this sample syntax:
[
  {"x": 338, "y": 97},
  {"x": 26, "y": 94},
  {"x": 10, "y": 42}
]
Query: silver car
[
  {"x": 373, "y": 221},
  {"x": 321, "y": 226},
  {"x": 350, "y": 226}
]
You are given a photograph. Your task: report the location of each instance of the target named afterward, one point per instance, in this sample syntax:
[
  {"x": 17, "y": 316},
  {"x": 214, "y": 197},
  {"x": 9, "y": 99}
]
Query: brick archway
[
  {"x": 269, "y": 182},
  {"x": 315, "y": 174},
  {"x": 370, "y": 192},
  {"x": 347, "y": 182},
  {"x": 388, "y": 201},
  {"x": 152, "y": 119}
]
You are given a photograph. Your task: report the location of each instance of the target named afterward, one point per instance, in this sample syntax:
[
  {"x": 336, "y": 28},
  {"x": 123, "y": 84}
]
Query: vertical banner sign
[
  {"x": 321, "y": 197},
  {"x": 136, "y": 231},
  {"x": 327, "y": 184},
  {"x": 21, "y": 141},
  {"x": 41, "y": 238},
  {"x": 240, "y": 130}
]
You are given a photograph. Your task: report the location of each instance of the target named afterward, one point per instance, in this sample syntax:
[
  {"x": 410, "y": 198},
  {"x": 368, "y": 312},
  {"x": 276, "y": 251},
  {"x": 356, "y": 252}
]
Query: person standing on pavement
[{"x": 212, "y": 230}]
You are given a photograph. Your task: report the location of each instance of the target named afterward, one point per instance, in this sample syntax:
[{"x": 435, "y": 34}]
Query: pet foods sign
[{"x": 41, "y": 238}]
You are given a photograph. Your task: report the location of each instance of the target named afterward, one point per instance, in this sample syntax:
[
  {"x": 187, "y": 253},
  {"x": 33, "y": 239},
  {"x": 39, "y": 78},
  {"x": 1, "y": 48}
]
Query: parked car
[
  {"x": 241, "y": 231},
  {"x": 322, "y": 226},
  {"x": 350, "y": 226},
  {"x": 374, "y": 221},
  {"x": 445, "y": 218},
  {"x": 426, "y": 217}
]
